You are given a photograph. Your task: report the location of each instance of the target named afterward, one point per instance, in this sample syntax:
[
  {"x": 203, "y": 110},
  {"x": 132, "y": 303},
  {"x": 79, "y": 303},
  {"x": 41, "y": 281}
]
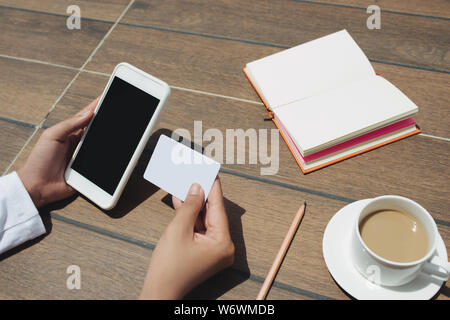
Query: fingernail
[
  {"x": 85, "y": 114},
  {"x": 195, "y": 189}
]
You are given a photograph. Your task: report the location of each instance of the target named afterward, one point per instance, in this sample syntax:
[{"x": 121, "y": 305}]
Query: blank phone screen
[{"x": 114, "y": 134}]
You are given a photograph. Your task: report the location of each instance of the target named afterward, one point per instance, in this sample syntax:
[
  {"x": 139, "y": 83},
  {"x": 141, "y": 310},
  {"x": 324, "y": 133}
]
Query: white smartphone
[{"x": 114, "y": 140}]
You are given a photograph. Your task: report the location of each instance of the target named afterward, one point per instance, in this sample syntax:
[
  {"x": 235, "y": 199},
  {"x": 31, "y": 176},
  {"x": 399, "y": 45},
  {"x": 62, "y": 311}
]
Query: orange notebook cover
[{"x": 287, "y": 140}]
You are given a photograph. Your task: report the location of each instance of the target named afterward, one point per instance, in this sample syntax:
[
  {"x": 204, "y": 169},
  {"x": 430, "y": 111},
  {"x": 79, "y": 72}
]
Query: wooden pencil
[{"x": 281, "y": 253}]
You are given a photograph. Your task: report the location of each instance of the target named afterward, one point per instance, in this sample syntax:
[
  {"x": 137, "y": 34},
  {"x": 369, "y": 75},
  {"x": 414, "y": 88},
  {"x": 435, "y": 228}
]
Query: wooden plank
[
  {"x": 259, "y": 214},
  {"x": 110, "y": 268},
  {"x": 96, "y": 9},
  {"x": 12, "y": 138},
  {"x": 437, "y": 8},
  {"x": 387, "y": 170},
  {"x": 47, "y": 38},
  {"x": 30, "y": 89},
  {"x": 230, "y": 284},
  {"x": 214, "y": 66},
  {"x": 403, "y": 39}
]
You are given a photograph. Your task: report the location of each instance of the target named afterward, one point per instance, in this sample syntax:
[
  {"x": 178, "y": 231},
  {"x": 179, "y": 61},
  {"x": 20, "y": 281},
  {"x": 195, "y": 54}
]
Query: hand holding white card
[{"x": 174, "y": 167}]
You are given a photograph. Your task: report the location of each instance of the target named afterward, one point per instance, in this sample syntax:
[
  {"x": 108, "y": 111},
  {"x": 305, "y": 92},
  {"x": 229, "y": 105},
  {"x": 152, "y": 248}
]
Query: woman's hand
[
  {"x": 43, "y": 172},
  {"x": 192, "y": 248}
]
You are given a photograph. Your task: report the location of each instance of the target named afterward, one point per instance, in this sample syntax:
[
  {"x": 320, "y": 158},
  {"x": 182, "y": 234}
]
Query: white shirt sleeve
[{"x": 19, "y": 218}]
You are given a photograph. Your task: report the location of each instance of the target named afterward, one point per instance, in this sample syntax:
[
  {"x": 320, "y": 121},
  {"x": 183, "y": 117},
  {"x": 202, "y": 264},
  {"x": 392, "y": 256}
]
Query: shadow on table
[
  {"x": 218, "y": 284},
  {"x": 138, "y": 189},
  {"x": 239, "y": 272},
  {"x": 227, "y": 279}
]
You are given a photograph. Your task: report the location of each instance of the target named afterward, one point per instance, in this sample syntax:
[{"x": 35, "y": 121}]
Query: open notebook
[{"x": 328, "y": 102}]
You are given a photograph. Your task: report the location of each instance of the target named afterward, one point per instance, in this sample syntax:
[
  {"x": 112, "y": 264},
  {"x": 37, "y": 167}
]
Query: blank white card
[{"x": 174, "y": 167}]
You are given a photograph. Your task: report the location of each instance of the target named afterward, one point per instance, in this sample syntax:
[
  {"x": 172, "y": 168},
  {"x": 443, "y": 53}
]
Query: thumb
[
  {"x": 66, "y": 127},
  {"x": 188, "y": 212}
]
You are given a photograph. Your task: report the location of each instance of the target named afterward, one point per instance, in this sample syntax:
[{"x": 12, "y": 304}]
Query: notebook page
[
  {"x": 337, "y": 115},
  {"x": 309, "y": 69}
]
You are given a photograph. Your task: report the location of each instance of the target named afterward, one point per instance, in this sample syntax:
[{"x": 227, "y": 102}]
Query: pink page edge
[{"x": 349, "y": 143}]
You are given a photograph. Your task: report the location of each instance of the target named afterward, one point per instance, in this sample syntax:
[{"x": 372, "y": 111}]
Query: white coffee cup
[{"x": 390, "y": 273}]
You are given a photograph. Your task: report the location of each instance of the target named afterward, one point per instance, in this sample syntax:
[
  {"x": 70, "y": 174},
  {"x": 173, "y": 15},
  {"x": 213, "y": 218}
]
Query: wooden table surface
[{"x": 199, "y": 47}]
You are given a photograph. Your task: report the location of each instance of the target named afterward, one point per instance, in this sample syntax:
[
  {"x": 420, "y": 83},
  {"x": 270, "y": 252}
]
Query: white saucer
[{"x": 336, "y": 252}]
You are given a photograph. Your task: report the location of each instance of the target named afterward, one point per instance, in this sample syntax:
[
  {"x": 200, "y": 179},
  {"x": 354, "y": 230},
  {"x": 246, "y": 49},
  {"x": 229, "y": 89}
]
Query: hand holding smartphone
[{"x": 113, "y": 142}]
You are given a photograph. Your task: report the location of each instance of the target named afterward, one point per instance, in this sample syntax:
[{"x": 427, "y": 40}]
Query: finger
[
  {"x": 176, "y": 202},
  {"x": 90, "y": 107},
  {"x": 187, "y": 214},
  {"x": 74, "y": 140},
  {"x": 199, "y": 223},
  {"x": 75, "y": 136},
  {"x": 61, "y": 130},
  {"x": 216, "y": 219}
]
